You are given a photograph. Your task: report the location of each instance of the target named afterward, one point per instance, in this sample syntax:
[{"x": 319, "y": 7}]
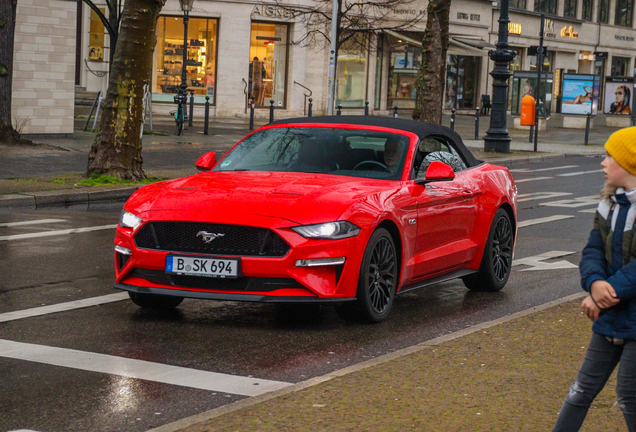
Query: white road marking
[
  {"x": 56, "y": 233},
  {"x": 538, "y": 221},
  {"x": 590, "y": 200},
  {"x": 527, "y": 170},
  {"x": 31, "y": 222},
  {"x": 540, "y": 195},
  {"x": 62, "y": 307},
  {"x": 138, "y": 369},
  {"x": 533, "y": 179},
  {"x": 592, "y": 210},
  {"x": 580, "y": 173},
  {"x": 536, "y": 262}
]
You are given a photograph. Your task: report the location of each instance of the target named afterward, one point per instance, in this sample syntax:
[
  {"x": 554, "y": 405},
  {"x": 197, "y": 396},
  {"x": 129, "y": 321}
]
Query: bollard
[
  {"x": 452, "y": 125},
  {"x": 271, "y": 110},
  {"x": 206, "y": 119},
  {"x": 252, "y": 114},
  {"x": 366, "y": 108},
  {"x": 587, "y": 128},
  {"x": 339, "y": 110},
  {"x": 395, "y": 110},
  {"x": 477, "y": 123},
  {"x": 191, "y": 107},
  {"x": 310, "y": 107}
]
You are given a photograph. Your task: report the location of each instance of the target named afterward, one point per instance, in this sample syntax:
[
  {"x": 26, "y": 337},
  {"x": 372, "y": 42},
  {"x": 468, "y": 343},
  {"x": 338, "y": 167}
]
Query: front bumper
[{"x": 261, "y": 279}]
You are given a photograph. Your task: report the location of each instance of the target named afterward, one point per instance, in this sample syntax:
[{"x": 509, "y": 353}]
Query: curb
[
  {"x": 250, "y": 401},
  {"x": 64, "y": 198}
]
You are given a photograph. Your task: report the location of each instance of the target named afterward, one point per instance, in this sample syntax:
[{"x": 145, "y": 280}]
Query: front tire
[
  {"x": 155, "y": 301},
  {"x": 378, "y": 278},
  {"x": 497, "y": 260}
]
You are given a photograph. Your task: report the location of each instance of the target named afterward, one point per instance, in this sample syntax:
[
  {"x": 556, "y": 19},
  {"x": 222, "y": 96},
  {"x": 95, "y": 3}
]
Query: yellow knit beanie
[{"x": 621, "y": 145}]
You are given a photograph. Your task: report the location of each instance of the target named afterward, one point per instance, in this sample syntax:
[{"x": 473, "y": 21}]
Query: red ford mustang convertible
[{"x": 345, "y": 210}]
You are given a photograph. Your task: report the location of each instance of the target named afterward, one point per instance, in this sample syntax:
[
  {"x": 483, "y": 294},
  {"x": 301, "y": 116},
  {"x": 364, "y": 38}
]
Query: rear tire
[
  {"x": 378, "y": 278},
  {"x": 155, "y": 301},
  {"x": 497, "y": 260}
]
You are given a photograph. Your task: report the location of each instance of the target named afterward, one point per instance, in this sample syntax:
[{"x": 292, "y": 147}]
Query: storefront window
[
  {"x": 546, "y": 6},
  {"x": 351, "y": 76},
  {"x": 569, "y": 8},
  {"x": 403, "y": 70},
  {"x": 624, "y": 12},
  {"x": 587, "y": 9},
  {"x": 462, "y": 81},
  {"x": 603, "y": 11},
  {"x": 96, "y": 44},
  {"x": 547, "y": 62},
  {"x": 515, "y": 64},
  {"x": 620, "y": 66},
  {"x": 201, "y": 58},
  {"x": 268, "y": 64}
]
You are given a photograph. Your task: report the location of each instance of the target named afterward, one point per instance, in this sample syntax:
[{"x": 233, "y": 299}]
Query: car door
[{"x": 445, "y": 212}]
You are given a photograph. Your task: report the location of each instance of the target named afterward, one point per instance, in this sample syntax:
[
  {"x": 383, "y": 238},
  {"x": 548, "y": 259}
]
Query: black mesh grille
[
  {"x": 221, "y": 284},
  {"x": 236, "y": 239}
]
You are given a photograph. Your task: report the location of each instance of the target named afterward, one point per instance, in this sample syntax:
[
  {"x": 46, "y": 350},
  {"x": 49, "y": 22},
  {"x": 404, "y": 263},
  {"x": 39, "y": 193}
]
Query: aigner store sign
[{"x": 272, "y": 11}]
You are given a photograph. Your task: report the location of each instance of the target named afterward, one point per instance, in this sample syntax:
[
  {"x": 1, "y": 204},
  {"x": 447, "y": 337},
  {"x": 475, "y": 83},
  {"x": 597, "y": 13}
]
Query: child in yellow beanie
[{"x": 608, "y": 274}]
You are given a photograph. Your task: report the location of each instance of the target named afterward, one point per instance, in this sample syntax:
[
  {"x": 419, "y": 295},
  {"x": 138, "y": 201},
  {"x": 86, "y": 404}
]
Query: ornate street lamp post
[
  {"x": 497, "y": 137},
  {"x": 182, "y": 90}
]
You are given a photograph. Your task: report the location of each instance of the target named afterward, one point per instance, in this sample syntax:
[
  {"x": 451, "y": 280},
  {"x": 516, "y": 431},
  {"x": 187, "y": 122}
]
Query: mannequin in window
[{"x": 257, "y": 73}]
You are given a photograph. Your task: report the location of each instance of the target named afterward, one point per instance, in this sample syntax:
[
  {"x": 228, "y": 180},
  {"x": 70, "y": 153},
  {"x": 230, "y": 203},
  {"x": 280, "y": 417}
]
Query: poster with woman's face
[{"x": 617, "y": 98}]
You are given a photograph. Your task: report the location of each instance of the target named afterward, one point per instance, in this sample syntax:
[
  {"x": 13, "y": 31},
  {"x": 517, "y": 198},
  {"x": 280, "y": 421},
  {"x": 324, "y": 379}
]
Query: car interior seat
[{"x": 312, "y": 157}]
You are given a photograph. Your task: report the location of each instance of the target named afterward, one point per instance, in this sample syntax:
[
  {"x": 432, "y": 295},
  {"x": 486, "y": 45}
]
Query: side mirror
[
  {"x": 437, "y": 171},
  {"x": 206, "y": 162}
]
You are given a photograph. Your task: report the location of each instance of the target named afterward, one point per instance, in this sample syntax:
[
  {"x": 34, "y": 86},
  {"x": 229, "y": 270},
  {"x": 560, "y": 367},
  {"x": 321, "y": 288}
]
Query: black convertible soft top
[{"x": 421, "y": 129}]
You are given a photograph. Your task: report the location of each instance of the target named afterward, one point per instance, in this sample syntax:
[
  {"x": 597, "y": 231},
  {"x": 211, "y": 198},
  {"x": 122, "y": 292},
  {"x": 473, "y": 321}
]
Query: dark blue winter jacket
[{"x": 601, "y": 261}]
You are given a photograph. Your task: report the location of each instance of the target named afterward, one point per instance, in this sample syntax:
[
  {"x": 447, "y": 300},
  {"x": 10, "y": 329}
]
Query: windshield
[{"x": 349, "y": 152}]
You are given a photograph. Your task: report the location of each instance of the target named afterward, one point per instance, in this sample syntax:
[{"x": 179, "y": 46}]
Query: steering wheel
[{"x": 372, "y": 162}]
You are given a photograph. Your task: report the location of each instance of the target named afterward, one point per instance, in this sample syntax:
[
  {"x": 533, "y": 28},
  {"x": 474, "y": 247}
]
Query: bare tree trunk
[
  {"x": 8, "y": 8},
  {"x": 432, "y": 74},
  {"x": 117, "y": 147}
]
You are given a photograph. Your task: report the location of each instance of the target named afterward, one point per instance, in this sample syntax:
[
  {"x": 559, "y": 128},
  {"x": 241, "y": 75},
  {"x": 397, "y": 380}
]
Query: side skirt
[{"x": 435, "y": 280}]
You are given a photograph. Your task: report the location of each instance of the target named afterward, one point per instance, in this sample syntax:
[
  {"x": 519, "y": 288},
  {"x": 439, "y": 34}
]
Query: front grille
[
  {"x": 236, "y": 239},
  {"x": 221, "y": 284}
]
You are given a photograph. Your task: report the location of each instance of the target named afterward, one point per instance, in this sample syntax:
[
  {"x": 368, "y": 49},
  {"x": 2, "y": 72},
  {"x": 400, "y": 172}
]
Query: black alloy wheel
[
  {"x": 496, "y": 263},
  {"x": 378, "y": 277}
]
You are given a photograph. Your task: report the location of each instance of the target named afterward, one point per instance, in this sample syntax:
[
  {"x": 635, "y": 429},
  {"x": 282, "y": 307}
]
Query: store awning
[{"x": 456, "y": 45}]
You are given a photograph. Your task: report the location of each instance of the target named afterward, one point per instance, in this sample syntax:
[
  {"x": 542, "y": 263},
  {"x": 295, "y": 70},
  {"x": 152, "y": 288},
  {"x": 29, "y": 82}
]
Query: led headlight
[
  {"x": 330, "y": 230},
  {"x": 129, "y": 220}
]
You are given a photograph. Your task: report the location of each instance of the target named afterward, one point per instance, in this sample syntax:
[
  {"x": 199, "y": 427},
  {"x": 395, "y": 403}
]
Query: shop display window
[
  {"x": 268, "y": 64},
  {"x": 403, "y": 69},
  {"x": 96, "y": 39},
  {"x": 200, "y": 60},
  {"x": 548, "y": 61},
  {"x": 351, "y": 74},
  {"x": 462, "y": 81},
  {"x": 624, "y": 12},
  {"x": 620, "y": 66}
]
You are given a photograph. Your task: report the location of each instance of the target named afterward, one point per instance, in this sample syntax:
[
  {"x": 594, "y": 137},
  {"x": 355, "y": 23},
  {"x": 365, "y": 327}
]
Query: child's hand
[
  {"x": 603, "y": 294},
  {"x": 590, "y": 308}
]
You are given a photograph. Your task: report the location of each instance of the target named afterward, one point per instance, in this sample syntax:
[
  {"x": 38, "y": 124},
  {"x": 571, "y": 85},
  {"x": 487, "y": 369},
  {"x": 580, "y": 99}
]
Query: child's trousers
[{"x": 600, "y": 360}]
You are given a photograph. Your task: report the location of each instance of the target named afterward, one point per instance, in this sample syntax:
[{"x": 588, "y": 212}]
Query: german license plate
[{"x": 202, "y": 266}]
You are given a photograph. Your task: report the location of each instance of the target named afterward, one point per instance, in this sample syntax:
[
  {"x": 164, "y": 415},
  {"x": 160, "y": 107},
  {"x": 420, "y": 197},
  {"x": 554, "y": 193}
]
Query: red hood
[{"x": 291, "y": 196}]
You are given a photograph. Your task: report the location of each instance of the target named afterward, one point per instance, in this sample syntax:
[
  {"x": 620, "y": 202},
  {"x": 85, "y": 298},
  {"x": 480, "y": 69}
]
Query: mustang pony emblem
[{"x": 208, "y": 236}]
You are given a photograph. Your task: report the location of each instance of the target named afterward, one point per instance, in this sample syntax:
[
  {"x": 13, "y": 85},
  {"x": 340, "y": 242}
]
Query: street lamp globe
[{"x": 186, "y": 5}]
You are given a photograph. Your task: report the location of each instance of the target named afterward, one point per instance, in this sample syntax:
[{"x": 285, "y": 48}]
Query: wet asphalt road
[{"x": 268, "y": 342}]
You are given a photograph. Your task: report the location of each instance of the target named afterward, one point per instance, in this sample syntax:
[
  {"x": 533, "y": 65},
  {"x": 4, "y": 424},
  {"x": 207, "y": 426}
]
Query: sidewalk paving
[{"x": 508, "y": 375}]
